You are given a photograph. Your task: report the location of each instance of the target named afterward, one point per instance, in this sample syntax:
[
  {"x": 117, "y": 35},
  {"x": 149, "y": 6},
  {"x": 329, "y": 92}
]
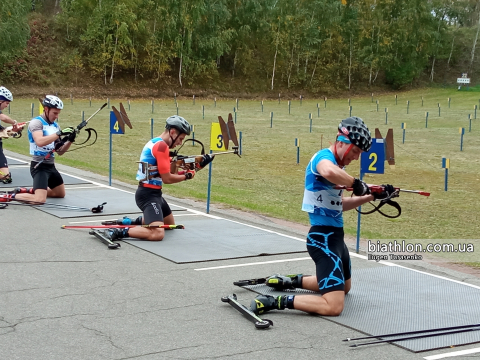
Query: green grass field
[{"x": 267, "y": 180}]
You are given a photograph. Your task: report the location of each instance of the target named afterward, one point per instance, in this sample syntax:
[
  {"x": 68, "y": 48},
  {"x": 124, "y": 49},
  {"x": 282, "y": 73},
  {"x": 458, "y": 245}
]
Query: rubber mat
[
  {"x": 391, "y": 299},
  {"x": 11, "y": 161},
  {"x": 21, "y": 177},
  {"x": 117, "y": 203},
  {"x": 207, "y": 239}
]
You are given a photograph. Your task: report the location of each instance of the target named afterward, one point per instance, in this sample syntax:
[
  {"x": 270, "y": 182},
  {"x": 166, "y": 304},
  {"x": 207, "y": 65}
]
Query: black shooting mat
[
  {"x": 12, "y": 161},
  {"x": 207, "y": 239},
  {"x": 391, "y": 299},
  {"x": 21, "y": 177},
  {"x": 118, "y": 202}
]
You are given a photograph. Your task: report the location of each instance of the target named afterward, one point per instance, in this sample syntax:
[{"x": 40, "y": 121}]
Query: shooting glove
[
  {"x": 67, "y": 131},
  {"x": 189, "y": 174},
  {"x": 360, "y": 188},
  {"x": 72, "y": 137},
  {"x": 207, "y": 159},
  {"x": 387, "y": 192}
]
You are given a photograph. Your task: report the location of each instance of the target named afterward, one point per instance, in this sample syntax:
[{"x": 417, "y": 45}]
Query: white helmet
[
  {"x": 5, "y": 94},
  {"x": 52, "y": 101}
]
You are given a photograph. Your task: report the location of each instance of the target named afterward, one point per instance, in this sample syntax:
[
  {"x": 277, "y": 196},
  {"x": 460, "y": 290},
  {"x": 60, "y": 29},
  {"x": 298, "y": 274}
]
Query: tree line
[{"x": 293, "y": 44}]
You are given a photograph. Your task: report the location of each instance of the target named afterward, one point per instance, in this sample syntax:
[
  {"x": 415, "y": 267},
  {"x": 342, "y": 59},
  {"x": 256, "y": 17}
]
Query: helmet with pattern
[
  {"x": 357, "y": 132},
  {"x": 52, "y": 101},
  {"x": 5, "y": 94},
  {"x": 178, "y": 123}
]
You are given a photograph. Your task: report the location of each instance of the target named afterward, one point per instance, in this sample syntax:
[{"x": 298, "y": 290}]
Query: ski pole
[{"x": 122, "y": 226}]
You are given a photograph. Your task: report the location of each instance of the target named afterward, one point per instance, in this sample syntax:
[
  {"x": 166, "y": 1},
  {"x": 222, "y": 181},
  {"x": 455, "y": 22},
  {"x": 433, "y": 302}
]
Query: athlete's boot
[
  {"x": 263, "y": 303},
  {"x": 124, "y": 221},
  {"x": 7, "y": 179},
  {"x": 115, "y": 234},
  {"x": 280, "y": 282}
]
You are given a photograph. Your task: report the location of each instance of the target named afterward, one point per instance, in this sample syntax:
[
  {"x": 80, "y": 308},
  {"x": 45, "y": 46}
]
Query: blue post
[
  {"x": 235, "y": 115},
  {"x": 462, "y": 132},
  {"x": 298, "y": 155},
  {"x": 449, "y": 102},
  {"x": 310, "y": 116},
  {"x": 203, "y": 111},
  {"x": 110, "y": 165},
  {"x": 215, "y": 102},
  {"x": 262, "y": 105},
  {"x": 426, "y": 119},
  {"x": 318, "y": 111},
  {"x": 386, "y": 116},
  {"x": 240, "y": 143},
  {"x": 237, "y": 103},
  {"x": 422, "y": 101},
  {"x": 289, "y": 104},
  {"x": 325, "y": 100},
  {"x": 359, "y": 218},
  {"x": 83, "y": 116},
  {"x": 91, "y": 103},
  {"x": 193, "y": 99},
  {"x": 377, "y": 105},
  {"x": 128, "y": 105},
  {"x": 350, "y": 109},
  {"x": 151, "y": 128},
  {"x": 153, "y": 106},
  {"x": 438, "y": 109},
  {"x": 33, "y": 106},
  {"x": 446, "y": 165},
  {"x": 475, "y": 108},
  {"x": 408, "y": 105},
  {"x": 349, "y": 102},
  {"x": 192, "y": 129},
  {"x": 469, "y": 123},
  {"x": 403, "y": 127},
  {"x": 209, "y": 184},
  {"x": 271, "y": 117}
]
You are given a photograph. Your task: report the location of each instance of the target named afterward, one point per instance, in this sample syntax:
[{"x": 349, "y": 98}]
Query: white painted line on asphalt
[
  {"x": 452, "y": 354},
  {"x": 253, "y": 264},
  {"x": 67, "y": 187}
]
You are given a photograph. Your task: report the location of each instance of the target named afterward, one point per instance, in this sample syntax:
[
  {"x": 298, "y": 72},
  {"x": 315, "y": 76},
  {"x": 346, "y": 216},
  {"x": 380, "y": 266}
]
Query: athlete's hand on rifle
[
  {"x": 189, "y": 174},
  {"x": 206, "y": 159},
  {"x": 383, "y": 192},
  {"x": 72, "y": 137},
  {"x": 67, "y": 131},
  {"x": 360, "y": 188}
]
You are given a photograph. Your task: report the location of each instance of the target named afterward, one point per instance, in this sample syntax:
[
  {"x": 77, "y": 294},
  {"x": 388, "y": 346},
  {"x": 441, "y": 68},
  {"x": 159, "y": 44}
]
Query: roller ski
[
  {"x": 250, "y": 315},
  {"x": 108, "y": 236},
  {"x": 278, "y": 282}
]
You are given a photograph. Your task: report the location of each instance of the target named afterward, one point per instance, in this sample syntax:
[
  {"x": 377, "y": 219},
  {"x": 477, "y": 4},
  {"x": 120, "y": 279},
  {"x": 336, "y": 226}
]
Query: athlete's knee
[
  {"x": 335, "y": 302},
  {"x": 156, "y": 235}
]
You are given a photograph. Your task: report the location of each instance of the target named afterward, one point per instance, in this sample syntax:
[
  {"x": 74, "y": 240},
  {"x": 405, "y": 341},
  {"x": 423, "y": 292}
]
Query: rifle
[
  {"x": 377, "y": 189},
  {"x": 77, "y": 130},
  {"x": 8, "y": 132}
]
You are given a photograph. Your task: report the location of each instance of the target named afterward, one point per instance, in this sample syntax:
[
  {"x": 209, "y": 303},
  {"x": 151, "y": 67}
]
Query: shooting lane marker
[
  {"x": 128, "y": 105},
  {"x": 193, "y": 99},
  {"x": 71, "y": 98},
  {"x": 33, "y": 107},
  {"x": 475, "y": 108},
  {"x": 386, "y": 116},
  {"x": 235, "y": 112},
  {"x": 372, "y": 97},
  {"x": 318, "y": 110},
  {"x": 90, "y": 101},
  {"x": 377, "y": 105},
  {"x": 469, "y": 123},
  {"x": 301, "y": 98},
  {"x": 325, "y": 101},
  {"x": 426, "y": 119},
  {"x": 177, "y": 107},
  {"x": 289, "y": 105},
  {"x": 449, "y": 102},
  {"x": 271, "y": 117},
  {"x": 237, "y": 103},
  {"x": 118, "y": 120},
  {"x": 439, "y": 109},
  {"x": 192, "y": 129},
  {"x": 446, "y": 166},
  {"x": 349, "y": 102},
  {"x": 108, "y": 103},
  {"x": 203, "y": 111},
  {"x": 215, "y": 102},
  {"x": 408, "y": 105},
  {"x": 404, "y": 126},
  {"x": 422, "y": 101},
  {"x": 297, "y": 144},
  {"x": 261, "y": 103},
  {"x": 350, "y": 109},
  {"x": 278, "y": 98},
  {"x": 395, "y": 99},
  {"x": 462, "y": 132},
  {"x": 310, "y": 117},
  {"x": 153, "y": 106},
  {"x": 151, "y": 128}
]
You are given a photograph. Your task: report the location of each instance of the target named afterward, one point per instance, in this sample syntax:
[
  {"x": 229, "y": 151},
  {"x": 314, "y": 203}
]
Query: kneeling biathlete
[
  {"x": 154, "y": 171},
  {"x": 325, "y": 240}
]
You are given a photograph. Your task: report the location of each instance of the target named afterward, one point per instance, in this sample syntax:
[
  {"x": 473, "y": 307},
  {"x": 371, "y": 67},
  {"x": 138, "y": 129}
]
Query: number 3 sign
[{"x": 374, "y": 160}]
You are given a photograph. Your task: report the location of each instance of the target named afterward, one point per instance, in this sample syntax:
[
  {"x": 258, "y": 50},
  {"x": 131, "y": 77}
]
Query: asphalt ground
[{"x": 64, "y": 295}]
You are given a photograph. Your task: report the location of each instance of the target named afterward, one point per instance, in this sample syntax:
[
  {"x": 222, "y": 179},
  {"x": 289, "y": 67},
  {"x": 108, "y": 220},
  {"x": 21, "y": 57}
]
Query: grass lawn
[{"x": 267, "y": 179}]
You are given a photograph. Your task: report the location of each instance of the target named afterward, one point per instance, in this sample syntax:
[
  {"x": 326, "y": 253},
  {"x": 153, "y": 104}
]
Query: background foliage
[{"x": 312, "y": 45}]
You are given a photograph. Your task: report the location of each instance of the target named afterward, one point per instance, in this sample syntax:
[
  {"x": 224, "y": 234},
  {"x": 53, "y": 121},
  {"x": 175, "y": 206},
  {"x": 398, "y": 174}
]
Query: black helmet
[
  {"x": 179, "y": 123},
  {"x": 357, "y": 132},
  {"x": 52, "y": 101}
]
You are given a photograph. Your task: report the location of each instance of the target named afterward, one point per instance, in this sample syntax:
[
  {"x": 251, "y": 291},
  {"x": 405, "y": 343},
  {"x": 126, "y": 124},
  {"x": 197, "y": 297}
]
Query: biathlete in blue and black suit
[{"x": 325, "y": 240}]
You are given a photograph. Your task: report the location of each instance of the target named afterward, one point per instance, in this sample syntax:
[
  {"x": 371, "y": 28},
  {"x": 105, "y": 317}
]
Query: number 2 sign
[{"x": 374, "y": 160}]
